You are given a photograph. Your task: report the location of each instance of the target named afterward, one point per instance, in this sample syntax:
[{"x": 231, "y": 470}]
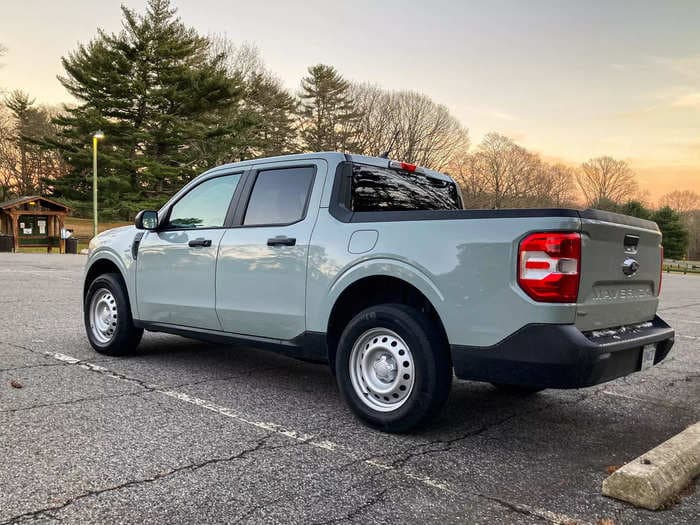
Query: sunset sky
[{"x": 570, "y": 80}]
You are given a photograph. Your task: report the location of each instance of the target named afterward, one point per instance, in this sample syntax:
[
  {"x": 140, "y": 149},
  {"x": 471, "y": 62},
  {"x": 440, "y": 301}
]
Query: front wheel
[
  {"x": 107, "y": 315},
  {"x": 393, "y": 367}
]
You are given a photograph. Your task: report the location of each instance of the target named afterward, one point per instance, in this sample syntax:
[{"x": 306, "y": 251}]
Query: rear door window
[
  {"x": 384, "y": 189},
  {"x": 279, "y": 196}
]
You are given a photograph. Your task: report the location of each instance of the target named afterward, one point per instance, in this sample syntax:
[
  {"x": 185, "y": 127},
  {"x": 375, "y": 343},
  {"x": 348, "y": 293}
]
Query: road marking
[
  {"x": 309, "y": 439},
  {"x": 623, "y": 396}
]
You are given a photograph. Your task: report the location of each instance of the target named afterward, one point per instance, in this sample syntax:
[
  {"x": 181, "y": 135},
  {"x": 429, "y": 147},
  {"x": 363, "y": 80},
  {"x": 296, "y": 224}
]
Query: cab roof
[{"x": 332, "y": 157}]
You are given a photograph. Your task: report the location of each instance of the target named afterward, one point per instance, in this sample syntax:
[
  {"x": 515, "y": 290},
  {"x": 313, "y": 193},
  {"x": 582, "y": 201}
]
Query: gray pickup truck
[{"x": 374, "y": 267}]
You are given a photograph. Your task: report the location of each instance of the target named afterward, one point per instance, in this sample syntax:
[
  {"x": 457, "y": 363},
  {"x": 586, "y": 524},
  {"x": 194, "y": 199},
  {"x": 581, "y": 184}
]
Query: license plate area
[{"x": 648, "y": 355}]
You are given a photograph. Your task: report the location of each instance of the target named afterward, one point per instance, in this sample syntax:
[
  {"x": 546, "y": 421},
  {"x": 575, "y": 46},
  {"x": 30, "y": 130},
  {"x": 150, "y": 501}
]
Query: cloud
[
  {"x": 492, "y": 113},
  {"x": 689, "y": 100},
  {"x": 685, "y": 66}
]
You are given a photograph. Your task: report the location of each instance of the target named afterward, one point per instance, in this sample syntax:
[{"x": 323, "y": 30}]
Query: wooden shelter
[{"x": 33, "y": 221}]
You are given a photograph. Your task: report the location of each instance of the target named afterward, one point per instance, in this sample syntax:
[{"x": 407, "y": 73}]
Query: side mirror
[{"x": 146, "y": 220}]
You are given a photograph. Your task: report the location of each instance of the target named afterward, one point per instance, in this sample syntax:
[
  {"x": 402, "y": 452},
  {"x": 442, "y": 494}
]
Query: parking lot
[{"x": 192, "y": 432}]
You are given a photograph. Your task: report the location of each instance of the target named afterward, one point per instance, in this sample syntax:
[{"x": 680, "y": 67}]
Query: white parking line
[{"x": 309, "y": 439}]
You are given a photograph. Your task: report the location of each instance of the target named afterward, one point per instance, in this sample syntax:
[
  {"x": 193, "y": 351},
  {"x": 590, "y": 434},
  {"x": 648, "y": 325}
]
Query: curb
[{"x": 653, "y": 478}]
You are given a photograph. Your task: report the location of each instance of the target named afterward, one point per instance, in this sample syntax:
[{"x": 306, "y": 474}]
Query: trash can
[
  {"x": 7, "y": 243},
  {"x": 71, "y": 245}
]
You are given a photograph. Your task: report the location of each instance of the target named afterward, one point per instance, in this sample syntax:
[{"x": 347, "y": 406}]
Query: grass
[
  {"x": 82, "y": 228},
  {"x": 672, "y": 265}
]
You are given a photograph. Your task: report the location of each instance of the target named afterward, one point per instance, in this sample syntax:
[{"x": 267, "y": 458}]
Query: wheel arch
[
  {"x": 370, "y": 290},
  {"x": 106, "y": 263}
]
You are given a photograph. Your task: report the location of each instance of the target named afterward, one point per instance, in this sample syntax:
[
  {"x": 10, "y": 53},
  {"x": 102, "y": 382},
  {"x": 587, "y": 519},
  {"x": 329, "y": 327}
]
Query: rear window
[{"x": 384, "y": 189}]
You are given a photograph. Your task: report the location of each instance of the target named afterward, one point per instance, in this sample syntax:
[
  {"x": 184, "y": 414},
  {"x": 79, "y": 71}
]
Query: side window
[
  {"x": 206, "y": 205},
  {"x": 279, "y": 196}
]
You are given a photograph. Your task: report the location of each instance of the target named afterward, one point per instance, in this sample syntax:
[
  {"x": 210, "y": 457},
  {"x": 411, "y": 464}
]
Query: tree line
[{"x": 173, "y": 102}]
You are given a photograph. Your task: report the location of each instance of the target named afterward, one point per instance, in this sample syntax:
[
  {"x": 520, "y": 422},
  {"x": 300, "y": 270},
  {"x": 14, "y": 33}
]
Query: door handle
[
  {"x": 197, "y": 243},
  {"x": 281, "y": 240}
]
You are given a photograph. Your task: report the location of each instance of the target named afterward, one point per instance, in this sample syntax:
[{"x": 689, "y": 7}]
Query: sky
[{"x": 570, "y": 80}]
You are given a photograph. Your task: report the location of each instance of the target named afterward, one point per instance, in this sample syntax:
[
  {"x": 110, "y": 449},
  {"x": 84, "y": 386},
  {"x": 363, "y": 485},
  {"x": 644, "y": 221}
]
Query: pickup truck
[{"x": 373, "y": 266}]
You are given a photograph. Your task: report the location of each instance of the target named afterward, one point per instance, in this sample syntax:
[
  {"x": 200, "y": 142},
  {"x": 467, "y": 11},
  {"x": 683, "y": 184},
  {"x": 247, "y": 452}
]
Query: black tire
[
  {"x": 432, "y": 368},
  {"x": 517, "y": 390},
  {"x": 126, "y": 337}
]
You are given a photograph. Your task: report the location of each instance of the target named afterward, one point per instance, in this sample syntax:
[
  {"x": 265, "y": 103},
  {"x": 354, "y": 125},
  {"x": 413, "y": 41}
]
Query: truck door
[
  {"x": 176, "y": 265},
  {"x": 261, "y": 268}
]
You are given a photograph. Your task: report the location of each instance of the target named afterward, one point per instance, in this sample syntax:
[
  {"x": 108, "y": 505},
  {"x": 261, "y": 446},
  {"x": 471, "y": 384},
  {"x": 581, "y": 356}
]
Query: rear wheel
[
  {"x": 107, "y": 315},
  {"x": 393, "y": 367}
]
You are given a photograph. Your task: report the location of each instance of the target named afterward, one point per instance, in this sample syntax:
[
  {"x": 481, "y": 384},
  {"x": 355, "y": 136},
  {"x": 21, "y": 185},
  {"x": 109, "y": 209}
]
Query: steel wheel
[
  {"x": 382, "y": 369},
  {"x": 103, "y": 316}
]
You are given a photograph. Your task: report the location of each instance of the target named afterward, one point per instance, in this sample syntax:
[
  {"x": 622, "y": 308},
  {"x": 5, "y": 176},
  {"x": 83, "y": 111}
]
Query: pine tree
[
  {"x": 327, "y": 110},
  {"x": 158, "y": 94},
  {"x": 636, "y": 208},
  {"x": 275, "y": 111},
  {"x": 675, "y": 235}
]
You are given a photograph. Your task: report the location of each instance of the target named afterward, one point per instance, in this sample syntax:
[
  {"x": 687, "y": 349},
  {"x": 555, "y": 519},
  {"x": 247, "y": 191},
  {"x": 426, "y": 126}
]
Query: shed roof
[{"x": 49, "y": 203}]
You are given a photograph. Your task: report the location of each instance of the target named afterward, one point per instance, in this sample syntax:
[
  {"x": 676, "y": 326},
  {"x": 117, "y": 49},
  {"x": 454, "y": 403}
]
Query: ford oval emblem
[{"x": 630, "y": 267}]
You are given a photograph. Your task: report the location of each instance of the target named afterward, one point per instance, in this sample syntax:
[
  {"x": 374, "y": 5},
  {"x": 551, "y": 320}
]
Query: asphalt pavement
[{"x": 185, "y": 431}]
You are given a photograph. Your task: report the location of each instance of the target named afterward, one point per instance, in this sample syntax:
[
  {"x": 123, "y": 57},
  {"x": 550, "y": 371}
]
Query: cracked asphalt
[{"x": 193, "y": 432}]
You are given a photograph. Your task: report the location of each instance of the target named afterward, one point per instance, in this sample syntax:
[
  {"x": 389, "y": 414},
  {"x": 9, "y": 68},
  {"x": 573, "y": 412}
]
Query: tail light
[
  {"x": 394, "y": 164},
  {"x": 549, "y": 266},
  {"x": 661, "y": 272}
]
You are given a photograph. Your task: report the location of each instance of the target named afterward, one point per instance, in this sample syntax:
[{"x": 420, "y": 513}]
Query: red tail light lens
[
  {"x": 549, "y": 266},
  {"x": 394, "y": 164}
]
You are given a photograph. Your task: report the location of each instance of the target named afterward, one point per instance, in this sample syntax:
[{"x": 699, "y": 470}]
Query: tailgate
[{"x": 620, "y": 270}]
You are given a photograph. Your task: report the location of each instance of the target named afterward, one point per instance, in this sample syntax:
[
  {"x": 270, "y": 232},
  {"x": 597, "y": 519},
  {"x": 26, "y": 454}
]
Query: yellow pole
[{"x": 94, "y": 186}]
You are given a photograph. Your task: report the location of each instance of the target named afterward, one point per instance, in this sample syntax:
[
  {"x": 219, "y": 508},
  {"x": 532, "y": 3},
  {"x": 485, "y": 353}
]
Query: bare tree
[
  {"x": 243, "y": 61},
  {"x": 412, "y": 126},
  {"x": 3, "y": 51},
  {"x": 682, "y": 201},
  {"x": 606, "y": 179},
  {"x": 501, "y": 173},
  {"x": 266, "y": 102},
  {"x": 25, "y": 167},
  {"x": 376, "y": 128},
  {"x": 560, "y": 182}
]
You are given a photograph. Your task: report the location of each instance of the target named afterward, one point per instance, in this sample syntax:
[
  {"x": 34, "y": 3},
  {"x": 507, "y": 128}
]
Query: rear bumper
[{"x": 561, "y": 356}]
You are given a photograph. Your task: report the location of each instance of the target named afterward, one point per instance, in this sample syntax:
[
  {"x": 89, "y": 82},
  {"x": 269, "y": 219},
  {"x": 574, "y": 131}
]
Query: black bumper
[{"x": 561, "y": 356}]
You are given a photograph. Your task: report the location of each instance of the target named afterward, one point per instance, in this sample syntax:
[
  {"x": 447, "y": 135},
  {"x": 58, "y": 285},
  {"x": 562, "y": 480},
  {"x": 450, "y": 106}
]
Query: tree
[
  {"x": 159, "y": 96},
  {"x": 3, "y": 51},
  {"x": 271, "y": 109},
  {"x": 687, "y": 204},
  {"x": 508, "y": 173},
  {"x": 636, "y": 208},
  {"x": 501, "y": 173},
  {"x": 24, "y": 165},
  {"x": 681, "y": 201},
  {"x": 409, "y": 125},
  {"x": 558, "y": 185},
  {"x": 327, "y": 110},
  {"x": 675, "y": 236},
  {"x": 605, "y": 178}
]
